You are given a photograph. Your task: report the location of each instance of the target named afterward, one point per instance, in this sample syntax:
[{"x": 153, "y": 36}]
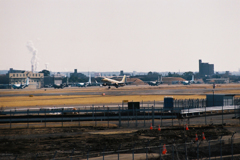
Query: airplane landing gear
[{"x": 109, "y": 87}]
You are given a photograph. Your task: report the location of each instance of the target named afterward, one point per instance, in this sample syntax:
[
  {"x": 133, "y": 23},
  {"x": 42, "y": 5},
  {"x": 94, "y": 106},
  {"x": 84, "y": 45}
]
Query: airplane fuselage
[
  {"x": 18, "y": 86},
  {"x": 111, "y": 82},
  {"x": 58, "y": 86}
]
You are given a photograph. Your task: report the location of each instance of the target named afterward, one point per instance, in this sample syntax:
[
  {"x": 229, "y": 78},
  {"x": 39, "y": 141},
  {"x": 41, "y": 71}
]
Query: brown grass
[{"x": 26, "y": 101}]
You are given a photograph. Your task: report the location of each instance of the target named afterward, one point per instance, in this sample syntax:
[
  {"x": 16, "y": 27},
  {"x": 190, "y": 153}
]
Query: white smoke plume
[
  {"x": 46, "y": 66},
  {"x": 33, "y": 51}
]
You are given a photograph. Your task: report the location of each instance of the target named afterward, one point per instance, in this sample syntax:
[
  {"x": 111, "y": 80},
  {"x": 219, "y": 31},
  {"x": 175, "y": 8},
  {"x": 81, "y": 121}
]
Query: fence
[
  {"x": 189, "y": 103},
  {"x": 121, "y": 116},
  {"x": 220, "y": 148}
]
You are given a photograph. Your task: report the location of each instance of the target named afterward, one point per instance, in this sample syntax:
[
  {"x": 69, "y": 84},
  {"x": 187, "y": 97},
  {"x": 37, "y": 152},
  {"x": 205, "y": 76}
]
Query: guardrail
[
  {"x": 207, "y": 109},
  {"x": 71, "y": 110},
  {"x": 121, "y": 116}
]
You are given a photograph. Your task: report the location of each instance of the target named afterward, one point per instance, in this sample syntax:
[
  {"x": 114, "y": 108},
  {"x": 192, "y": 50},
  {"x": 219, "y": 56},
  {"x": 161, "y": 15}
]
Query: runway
[{"x": 199, "y": 89}]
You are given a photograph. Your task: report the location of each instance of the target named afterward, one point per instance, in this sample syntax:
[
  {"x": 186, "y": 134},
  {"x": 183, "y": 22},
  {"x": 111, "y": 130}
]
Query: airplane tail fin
[
  {"x": 89, "y": 81},
  {"x": 123, "y": 80},
  {"x": 27, "y": 82}
]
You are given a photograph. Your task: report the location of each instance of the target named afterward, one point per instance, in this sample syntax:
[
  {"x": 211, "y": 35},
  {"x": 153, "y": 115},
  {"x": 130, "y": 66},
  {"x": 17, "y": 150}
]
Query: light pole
[
  {"x": 213, "y": 92},
  {"x": 213, "y": 98}
]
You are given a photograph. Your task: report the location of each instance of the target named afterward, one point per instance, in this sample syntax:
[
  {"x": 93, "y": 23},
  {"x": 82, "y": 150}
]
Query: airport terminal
[{"x": 45, "y": 79}]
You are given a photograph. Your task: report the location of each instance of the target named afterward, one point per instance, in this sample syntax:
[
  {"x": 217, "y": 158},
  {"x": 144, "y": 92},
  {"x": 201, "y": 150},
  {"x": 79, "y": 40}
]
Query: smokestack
[{"x": 32, "y": 69}]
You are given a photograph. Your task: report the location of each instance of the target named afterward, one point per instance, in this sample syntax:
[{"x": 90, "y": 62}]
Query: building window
[
  {"x": 23, "y": 75},
  {"x": 13, "y": 75},
  {"x": 17, "y": 75}
]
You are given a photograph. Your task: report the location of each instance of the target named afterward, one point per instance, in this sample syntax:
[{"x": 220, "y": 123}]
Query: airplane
[
  {"x": 189, "y": 82},
  {"x": 96, "y": 84},
  {"x": 175, "y": 82},
  {"x": 192, "y": 80},
  {"x": 58, "y": 86},
  {"x": 111, "y": 82},
  {"x": 155, "y": 83},
  {"x": 21, "y": 86},
  {"x": 186, "y": 82},
  {"x": 82, "y": 84},
  {"x": 85, "y": 84}
]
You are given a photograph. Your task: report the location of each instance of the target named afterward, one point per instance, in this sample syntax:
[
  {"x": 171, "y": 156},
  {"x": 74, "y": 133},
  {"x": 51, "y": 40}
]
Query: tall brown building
[{"x": 205, "y": 69}]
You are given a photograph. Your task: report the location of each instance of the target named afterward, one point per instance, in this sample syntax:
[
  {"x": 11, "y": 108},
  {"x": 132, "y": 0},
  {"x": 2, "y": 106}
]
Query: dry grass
[{"x": 26, "y": 101}]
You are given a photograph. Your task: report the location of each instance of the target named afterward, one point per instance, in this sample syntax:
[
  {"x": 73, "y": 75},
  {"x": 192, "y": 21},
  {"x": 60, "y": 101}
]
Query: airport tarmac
[
  {"x": 74, "y": 96},
  {"x": 199, "y": 89}
]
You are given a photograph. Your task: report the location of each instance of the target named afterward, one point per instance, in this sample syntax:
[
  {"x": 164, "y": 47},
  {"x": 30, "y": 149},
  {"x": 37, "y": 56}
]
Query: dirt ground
[{"x": 91, "y": 141}]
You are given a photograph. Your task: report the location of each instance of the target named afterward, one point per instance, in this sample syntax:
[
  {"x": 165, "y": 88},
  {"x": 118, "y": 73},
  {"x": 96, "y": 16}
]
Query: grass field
[
  {"x": 27, "y": 101},
  {"x": 54, "y": 100}
]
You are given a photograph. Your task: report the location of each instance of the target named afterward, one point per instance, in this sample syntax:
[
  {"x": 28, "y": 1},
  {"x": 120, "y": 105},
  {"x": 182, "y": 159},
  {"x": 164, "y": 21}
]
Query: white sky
[{"x": 114, "y": 35}]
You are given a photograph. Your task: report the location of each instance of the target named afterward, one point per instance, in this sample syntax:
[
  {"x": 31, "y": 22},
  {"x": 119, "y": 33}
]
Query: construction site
[{"x": 191, "y": 142}]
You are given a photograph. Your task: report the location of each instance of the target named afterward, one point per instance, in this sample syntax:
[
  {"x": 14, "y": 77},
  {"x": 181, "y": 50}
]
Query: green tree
[
  {"x": 187, "y": 75},
  {"x": 45, "y": 72}
]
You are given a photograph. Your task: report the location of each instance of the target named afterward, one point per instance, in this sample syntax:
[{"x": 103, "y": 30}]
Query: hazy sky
[{"x": 114, "y": 35}]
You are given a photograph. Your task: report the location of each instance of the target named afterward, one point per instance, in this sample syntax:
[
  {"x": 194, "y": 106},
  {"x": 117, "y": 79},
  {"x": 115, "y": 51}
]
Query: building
[
  {"x": 219, "y": 100},
  {"x": 48, "y": 81},
  {"x": 57, "y": 78},
  {"x": 11, "y": 70},
  {"x": 205, "y": 69},
  {"x": 76, "y": 74},
  {"x": 121, "y": 73},
  {"x": 36, "y": 80}
]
